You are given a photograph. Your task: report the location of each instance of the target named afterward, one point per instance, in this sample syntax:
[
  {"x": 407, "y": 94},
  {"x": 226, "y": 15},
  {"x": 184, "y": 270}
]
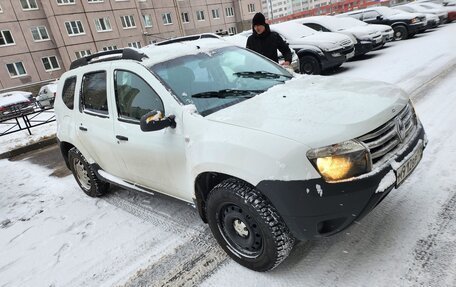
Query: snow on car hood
[
  {"x": 402, "y": 16},
  {"x": 324, "y": 40},
  {"x": 13, "y": 98},
  {"x": 317, "y": 111},
  {"x": 362, "y": 32}
]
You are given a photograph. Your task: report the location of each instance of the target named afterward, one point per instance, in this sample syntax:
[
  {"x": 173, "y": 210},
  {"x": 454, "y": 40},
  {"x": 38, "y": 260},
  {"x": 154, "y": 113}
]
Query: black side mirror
[
  {"x": 379, "y": 17},
  {"x": 154, "y": 121}
]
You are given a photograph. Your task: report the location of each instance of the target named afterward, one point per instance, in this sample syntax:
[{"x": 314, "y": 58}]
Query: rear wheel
[
  {"x": 310, "y": 65},
  {"x": 85, "y": 175},
  {"x": 400, "y": 32},
  {"x": 247, "y": 226}
]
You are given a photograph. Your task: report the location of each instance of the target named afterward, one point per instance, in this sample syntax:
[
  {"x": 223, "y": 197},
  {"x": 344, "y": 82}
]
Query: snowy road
[{"x": 53, "y": 235}]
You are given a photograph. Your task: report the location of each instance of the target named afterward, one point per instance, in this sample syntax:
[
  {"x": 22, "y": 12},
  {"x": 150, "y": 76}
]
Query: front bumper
[
  {"x": 415, "y": 28},
  {"x": 314, "y": 208},
  {"x": 363, "y": 47},
  {"x": 329, "y": 60}
]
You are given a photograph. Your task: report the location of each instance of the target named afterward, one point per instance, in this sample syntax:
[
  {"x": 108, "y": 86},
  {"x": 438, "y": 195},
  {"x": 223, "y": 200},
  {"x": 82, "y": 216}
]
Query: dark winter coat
[{"x": 267, "y": 44}]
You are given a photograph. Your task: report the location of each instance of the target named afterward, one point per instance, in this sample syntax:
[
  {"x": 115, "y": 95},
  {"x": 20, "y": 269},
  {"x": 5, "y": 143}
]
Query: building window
[
  {"x": 147, "y": 21},
  {"x": 110, "y": 48},
  {"x": 229, "y": 12},
  {"x": 185, "y": 18},
  {"x": 251, "y": 8},
  {"x": 103, "y": 24},
  {"x": 215, "y": 14},
  {"x": 83, "y": 53},
  {"x": 134, "y": 45},
  {"x": 167, "y": 18},
  {"x": 29, "y": 5},
  {"x": 40, "y": 33},
  {"x": 6, "y": 38},
  {"x": 74, "y": 28},
  {"x": 95, "y": 1},
  {"x": 65, "y": 2},
  {"x": 1, "y": 10},
  {"x": 16, "y": 69},
  {"x": 50, "y": 63},
  {"x": 200, "y": 15},
  {"x": 232, "y": 30},
  {"x": 128, "y": 22}
]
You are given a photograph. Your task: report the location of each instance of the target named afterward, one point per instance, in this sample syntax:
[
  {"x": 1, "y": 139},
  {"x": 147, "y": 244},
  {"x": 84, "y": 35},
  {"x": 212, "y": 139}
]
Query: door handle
[
  {"x": 83, "y": 128},
  {"x": 122, "y": 138}
]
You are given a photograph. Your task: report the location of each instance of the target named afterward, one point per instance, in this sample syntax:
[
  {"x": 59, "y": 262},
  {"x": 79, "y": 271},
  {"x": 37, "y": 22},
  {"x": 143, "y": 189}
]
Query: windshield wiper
[
  {"x": 228, "y": 93},
  {"x": 261, "y": 75}
]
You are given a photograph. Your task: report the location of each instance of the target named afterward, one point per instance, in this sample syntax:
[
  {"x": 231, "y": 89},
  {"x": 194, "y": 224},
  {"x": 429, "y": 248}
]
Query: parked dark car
[{"x": 404, "y": 24}]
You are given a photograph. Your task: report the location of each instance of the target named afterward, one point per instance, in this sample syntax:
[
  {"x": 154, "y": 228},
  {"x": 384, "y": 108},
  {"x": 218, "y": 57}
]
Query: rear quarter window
[{"x": 68, "y": 92}]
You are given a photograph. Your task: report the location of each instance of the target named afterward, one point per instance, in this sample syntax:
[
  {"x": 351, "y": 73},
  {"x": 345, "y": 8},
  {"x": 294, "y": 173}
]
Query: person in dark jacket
[{"x": 266, "y": 42}]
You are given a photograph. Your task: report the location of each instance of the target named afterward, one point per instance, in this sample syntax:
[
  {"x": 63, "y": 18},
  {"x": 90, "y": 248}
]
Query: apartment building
[
  {"x": 276, "y": 8},
  {"x": 40, "y": 38}
]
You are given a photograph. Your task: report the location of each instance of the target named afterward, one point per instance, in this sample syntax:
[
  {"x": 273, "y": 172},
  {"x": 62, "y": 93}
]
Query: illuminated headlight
[{"x": 341, "y": 161}]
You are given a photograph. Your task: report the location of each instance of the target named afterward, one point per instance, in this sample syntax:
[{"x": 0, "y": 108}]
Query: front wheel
[
  {"x": 400, "y": 33},
  {"x": 85, "y": 175},
  {"x": 247, "y": 226},
  {"x": 310, "y": 65}
]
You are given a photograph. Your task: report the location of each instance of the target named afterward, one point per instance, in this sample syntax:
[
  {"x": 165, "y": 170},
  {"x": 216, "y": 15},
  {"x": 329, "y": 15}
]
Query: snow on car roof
[
  {"x": 158, "y": 54},
  {"x": 333, "y": 23},
  {"x": 292, "y": 30},
  {"x": 12, "y": 98}
]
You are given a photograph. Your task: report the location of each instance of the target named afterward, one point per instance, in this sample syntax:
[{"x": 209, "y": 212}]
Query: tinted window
[
  {"x": 370, "y": 15},
  {"x": 93, "y": 96},
  {"x": 134, "y": 97},
  {"x": 68, "y": 92},
  {"x": 356, "y": 15}
]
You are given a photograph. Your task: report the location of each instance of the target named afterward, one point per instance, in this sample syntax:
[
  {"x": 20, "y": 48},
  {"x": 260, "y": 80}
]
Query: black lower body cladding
[{"x": 315, "y": 208}]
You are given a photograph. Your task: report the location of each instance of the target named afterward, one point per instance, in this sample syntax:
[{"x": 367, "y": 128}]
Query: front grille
[
  {"x": 347, "y": 51},
  {"x": 346, "y": 42},
  {"x": 390, "y": 136}
]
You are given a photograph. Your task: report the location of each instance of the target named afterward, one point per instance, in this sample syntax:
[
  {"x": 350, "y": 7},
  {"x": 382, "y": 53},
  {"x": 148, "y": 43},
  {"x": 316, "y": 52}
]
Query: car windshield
[
  {"x": 219, "y": 78},
  {"x": 388, "y": 11}
]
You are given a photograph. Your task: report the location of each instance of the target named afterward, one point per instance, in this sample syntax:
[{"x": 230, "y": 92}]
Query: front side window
[
  {"x": 50, "y": 63},
  {"x": 103, "y": 24},
  {"x": 147, "y": 21},
  {"x": 29, "y": 5},
  {"x": 200, "y": 15},
  {"x": 128, "y": 22},
  {"x": 93, "y": 94},
  {"x": 74, "y": 28},
  {"x": 222, "y": 77},
  {"x": 370, "y": 15},
  {"x": 6, "y": 38},
  {"x": 16, "y": 69},
  {"x": 65, "y": 2},
  {"x": 68, "y": 92},
  {"x": 40, "y": 33},
  {"x": 167, "y": 18},
  {"x": 134, "y": 97}
]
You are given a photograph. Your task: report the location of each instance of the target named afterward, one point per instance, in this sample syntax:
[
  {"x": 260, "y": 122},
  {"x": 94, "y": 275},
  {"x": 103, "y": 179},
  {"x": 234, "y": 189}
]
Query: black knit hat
[{"x": 258, "y": 19}]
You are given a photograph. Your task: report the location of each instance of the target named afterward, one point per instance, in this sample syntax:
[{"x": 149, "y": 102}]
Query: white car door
[{"x": 156, "y": 159}]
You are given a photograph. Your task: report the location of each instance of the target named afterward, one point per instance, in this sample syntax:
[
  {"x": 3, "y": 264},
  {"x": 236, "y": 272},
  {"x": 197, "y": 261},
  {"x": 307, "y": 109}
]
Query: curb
[{"x": 31, "y": 147}]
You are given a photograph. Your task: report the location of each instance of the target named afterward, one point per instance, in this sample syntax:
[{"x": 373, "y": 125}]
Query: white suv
[{"x": 264, "y": 157}]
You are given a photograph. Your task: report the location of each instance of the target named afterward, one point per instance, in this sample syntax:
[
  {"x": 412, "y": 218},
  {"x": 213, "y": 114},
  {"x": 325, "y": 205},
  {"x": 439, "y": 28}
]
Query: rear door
[{"x": 95, "y": 120}]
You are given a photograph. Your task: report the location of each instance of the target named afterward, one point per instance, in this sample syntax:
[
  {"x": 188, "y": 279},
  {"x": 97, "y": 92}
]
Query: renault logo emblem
[{"x": 400, "y": 129}]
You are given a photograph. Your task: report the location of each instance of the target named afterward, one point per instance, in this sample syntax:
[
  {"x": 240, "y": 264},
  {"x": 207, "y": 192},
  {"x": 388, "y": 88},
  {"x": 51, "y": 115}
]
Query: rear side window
[
  {"x": 68, "y": 92},
  {"x": 316, "y": 27},
  {"x": 134, "y": 97},
  {"x": 370, "y": 15},
  {"x": 356, "y": 15},
  {"x": 93, "y": 94}
]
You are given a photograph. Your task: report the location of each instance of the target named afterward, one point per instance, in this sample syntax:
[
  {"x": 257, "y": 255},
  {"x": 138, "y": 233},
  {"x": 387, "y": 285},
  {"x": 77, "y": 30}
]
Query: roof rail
[
  {"x": 126, "y": 54},
  {"x": 188, "y": 38}
]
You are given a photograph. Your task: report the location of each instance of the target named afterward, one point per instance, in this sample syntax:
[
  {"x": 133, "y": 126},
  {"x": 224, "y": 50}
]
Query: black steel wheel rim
[
  {"x": 240, "y": 230},
  {"x": 308, "y": 68}
]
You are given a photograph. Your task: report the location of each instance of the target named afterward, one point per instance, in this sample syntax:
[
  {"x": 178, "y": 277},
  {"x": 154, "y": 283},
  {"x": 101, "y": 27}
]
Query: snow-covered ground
[{"x": 51, "y": 234}]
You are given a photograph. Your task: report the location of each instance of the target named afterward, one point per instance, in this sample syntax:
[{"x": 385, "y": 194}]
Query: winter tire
[
  {"x": 310, "y": 65},
  {"x": 400, "y": 32},
  {"x": 85, "y": 175},
  {"x": 247, "y": 226}
]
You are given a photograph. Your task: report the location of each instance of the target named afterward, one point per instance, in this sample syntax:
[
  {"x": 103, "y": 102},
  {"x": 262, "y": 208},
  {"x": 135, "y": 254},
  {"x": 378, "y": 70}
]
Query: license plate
[
  {"x": 406, "y": 168},
  {"x": 350, "y": 55}
]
